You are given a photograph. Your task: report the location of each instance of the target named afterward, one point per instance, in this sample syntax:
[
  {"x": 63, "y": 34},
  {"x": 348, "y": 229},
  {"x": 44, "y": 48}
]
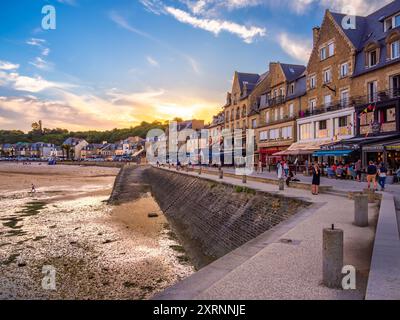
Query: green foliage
[{"x": 58, "y": 135}]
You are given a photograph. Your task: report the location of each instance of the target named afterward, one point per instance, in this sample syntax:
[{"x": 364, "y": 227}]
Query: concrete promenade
[{"x": 286, "y": 261}]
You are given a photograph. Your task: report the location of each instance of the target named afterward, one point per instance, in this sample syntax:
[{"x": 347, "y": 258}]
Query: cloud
[
  {"x": 36, "y": 42},
  {"x": 216, "y": 26},
  {"x": 46, "y": 52},
  {"x": 299, "y": 49},
  {"x": 152, "y": 61},
  {"x": 5, "y": 65},
  {"x": 42, "y": 64},
  {"x": 123, "y": 23},
  {"x": 196, "y": 18},
  {"x": 31, "y": 84}
]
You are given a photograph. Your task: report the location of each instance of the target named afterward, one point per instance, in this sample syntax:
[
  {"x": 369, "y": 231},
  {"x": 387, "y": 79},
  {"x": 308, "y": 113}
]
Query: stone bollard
[
  {"x": 361, "y": 210},
  {"x": 332, "y": 257},
  {"x": 281, "y": 184},
  {"x": 244, "y": 178},
  {"x": 200, "y": 171},
  {"x": 371, "y": 195},
  {"x": 221, "y": 174}
]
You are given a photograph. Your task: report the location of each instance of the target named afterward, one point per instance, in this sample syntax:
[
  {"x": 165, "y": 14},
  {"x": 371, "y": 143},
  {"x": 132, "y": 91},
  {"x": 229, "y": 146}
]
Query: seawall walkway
[{"x": 286, "y": 261}]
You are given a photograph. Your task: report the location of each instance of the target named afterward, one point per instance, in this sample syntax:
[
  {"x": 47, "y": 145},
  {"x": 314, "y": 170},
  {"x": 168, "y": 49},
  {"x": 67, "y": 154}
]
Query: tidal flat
[{"x": 98, "y": 251}]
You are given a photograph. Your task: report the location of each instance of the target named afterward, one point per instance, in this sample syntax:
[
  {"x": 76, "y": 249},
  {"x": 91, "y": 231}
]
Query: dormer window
[
  {"x": 372, "y": 58},
  {"x": 395, "y": 49},
  {"x": 392, "y": 22}
]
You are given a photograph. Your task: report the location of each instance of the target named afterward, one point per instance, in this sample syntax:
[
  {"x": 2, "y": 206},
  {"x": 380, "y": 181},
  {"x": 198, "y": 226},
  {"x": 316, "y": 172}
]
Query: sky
[{"x": 115, "y": 63}]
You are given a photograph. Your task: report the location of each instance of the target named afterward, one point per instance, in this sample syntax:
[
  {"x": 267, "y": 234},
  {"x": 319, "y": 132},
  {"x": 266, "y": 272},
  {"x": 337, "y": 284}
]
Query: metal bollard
[
  {"x": 281, "y": 184},
  {"x": 221, "y": 174},
  {"x": 361, "y": 210},
  {"x": 244, "y": 178},
  {"x": 332, "y": 257}
]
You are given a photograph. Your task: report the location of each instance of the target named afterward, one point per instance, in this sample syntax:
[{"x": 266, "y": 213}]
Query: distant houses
[{"x": 74, "y": 149}]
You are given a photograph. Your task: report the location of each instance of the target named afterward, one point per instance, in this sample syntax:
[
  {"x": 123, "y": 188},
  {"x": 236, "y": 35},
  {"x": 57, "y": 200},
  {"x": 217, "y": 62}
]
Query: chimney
[{"x": 316, "y": 31}]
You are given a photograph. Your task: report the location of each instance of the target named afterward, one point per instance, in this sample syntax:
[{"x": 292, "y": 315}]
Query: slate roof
[
  {"x": 292, "y": 71},
  {"x": 370, "y": 29}
]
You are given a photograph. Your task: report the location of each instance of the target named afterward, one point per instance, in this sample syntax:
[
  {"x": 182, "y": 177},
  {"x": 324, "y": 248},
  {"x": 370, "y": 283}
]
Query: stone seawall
[{"x": 215, "y": 217}]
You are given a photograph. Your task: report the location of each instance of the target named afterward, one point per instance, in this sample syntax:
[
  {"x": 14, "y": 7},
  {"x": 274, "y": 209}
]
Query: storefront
[
  {"x": 267, "y": 156},
  {"x": 388, "y": 153}
]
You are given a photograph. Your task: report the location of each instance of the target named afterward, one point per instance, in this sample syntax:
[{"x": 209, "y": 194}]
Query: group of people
[{"x": 376, "y": 174}]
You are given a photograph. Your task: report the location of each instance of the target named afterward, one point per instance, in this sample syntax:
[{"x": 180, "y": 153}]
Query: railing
[
  {"x": 276, "y": 101},
  {"x": 356, "y": 101}
]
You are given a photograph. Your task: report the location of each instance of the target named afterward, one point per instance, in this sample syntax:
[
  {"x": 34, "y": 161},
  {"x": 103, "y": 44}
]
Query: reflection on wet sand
[{"x": 98, "y": 251}]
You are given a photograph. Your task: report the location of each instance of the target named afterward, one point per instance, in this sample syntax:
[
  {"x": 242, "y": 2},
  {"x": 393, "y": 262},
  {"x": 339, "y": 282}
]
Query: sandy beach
[{"x": 98, "y": 251}]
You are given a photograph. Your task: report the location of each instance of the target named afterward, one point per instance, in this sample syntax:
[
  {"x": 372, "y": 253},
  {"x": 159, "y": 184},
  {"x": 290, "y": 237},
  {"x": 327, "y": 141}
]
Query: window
[
  {"x": 322, "y": 125},
  {"x": 274, "y": 134},
  {"x": 305, "y": 131},
  {"x": 281, "y": 113},
  {"x": 395, "y": 49},
  {"x": 342, "y": 122},
  {"x": 323, "y": 53},
  {"x": 264, "y": 135},
  {"x": 344, "y": 98},
  {"x": 291, "y": 88},
  {"x": 392, "y": 22},
  {"x": 331, "y": 49},
  {"x": 372, "y": 58},
  {"x": 287, "y": 132},
  {"x": 276, "y": 115},
  {"x": 321, "y": 129},
  {"x": 395, "y": 86},
  {"x": 327, "y": 100},
  {"x": 344, "y": 70},
  {"x": 254, "y": 123},
  {"x": 312, "y": 104},
  {"x": 282, "y": 92},
  {"x": 291, "y": 110},
  {"x": 327, "y": 76},
  {"x": 372, "y": 91},
  {"x": 313, "y": 82},
  {"x": 267, "y": 117}
]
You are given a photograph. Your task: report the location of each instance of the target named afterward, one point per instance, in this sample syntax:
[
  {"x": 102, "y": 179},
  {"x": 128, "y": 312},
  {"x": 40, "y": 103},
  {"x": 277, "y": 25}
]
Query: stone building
[
  {"x": 278, "y": 109},
  {"x": 374, "y": 85}
]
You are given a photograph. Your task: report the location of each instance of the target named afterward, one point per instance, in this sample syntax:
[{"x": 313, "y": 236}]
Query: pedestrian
[
  {"x": 279, "y": 170},
  {"x": 372, "y": 171},
  {"x": 358, "y": 166},
  {"x": 382, "y": 173},
  {"x": 33, "y": 189},
  {"x": 316, "y": 179},
  {"x": 286, "y": 168}
]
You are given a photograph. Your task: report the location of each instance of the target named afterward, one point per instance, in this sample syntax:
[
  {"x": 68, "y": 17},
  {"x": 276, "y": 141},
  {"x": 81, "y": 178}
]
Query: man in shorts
[{"x": 372, "y": 170}]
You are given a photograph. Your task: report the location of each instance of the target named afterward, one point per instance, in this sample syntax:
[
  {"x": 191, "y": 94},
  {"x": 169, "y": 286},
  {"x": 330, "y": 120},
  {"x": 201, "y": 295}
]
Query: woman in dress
[{"x": 316, "y": 179}]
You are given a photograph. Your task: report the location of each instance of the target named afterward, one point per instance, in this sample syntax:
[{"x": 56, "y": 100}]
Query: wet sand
[{"x": 98, "y": 251}]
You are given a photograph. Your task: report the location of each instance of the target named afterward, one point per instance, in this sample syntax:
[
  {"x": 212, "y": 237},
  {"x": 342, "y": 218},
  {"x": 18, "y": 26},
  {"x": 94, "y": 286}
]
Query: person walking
[
  {"x": 357, "y": 168},
  {"x": 316, "y": 179},
  {"x": 286, "y": 168},
  {"x": 382, "y": 174},
  {"x": 279, "y": 170},
  {"x": 372, "y": 171}
]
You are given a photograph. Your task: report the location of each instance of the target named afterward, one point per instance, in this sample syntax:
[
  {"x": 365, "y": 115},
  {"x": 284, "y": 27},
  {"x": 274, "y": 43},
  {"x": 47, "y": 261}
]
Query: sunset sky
[{"x": 116, "y": 63}]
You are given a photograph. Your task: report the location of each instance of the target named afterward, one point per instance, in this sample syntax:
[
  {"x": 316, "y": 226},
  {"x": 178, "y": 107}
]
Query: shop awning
[
  {"x": 332, "y": 153},
  {"x": 302, "y": 148}
]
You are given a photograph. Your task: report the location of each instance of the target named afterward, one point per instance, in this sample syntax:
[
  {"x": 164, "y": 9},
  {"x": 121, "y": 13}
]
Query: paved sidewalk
[
  {"x": 285, "y": 271},
  {"x": 343, "y": 185}
]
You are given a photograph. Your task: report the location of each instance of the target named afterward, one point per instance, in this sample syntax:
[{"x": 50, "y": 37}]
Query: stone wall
[{"x": 215, "y": 216}]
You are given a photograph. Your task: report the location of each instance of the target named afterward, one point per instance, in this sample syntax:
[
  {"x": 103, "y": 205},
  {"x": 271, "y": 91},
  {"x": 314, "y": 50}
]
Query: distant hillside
[{"x": 58, "y": 136}]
